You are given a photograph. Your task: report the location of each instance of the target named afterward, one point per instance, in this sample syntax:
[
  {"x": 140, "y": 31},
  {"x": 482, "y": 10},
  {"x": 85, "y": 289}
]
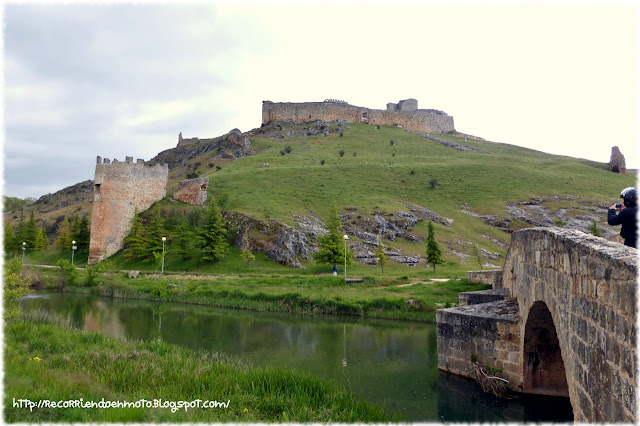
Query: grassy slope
[
  {"x": 374, "y": 179},
  {"x": 71, "y": 364}
]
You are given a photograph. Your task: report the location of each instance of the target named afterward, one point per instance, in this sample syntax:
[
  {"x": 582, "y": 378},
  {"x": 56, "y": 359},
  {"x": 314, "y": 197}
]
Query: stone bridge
[{"x": 560, "y": 321}]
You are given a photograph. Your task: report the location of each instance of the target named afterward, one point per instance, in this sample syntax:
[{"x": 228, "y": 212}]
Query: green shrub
[{"x": 68, "y": 272}]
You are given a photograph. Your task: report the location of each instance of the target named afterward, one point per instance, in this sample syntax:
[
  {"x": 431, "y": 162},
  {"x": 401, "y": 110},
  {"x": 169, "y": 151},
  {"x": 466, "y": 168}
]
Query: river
[{"x": 391, "y": 363}]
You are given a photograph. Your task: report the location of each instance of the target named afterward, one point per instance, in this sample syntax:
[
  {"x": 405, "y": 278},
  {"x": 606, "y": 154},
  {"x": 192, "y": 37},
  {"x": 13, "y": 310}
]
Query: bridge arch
[
  {"x": 561, "y": 319},
  {"x": 588, "y": 287},
  {"x": 543, "y": 370}
]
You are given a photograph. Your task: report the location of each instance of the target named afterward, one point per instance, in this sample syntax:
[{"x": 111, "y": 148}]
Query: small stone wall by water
[
  {"x": 493, "y": 277},
  {"x": 486, "y": 333}
]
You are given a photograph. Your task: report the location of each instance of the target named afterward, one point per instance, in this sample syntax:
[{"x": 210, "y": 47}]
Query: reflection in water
[{"x": 392, "y": 363}]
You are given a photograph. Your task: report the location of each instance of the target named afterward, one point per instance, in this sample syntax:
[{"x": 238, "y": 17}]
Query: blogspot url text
[{"x": 141, "y": 403}]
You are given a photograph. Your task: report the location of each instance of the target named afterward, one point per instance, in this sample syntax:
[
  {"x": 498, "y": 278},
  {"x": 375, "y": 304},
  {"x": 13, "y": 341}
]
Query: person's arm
[{"x": 613, "y": 218}]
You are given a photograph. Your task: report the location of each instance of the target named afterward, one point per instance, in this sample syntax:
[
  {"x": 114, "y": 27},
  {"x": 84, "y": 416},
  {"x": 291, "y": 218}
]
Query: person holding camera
[{"x": 625, "y": 215}]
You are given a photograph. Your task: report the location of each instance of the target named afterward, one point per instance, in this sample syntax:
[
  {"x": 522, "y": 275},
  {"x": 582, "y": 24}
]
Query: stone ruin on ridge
[
  {"x": 405, "y": 113},
  {"x": 617, "y": 163}
]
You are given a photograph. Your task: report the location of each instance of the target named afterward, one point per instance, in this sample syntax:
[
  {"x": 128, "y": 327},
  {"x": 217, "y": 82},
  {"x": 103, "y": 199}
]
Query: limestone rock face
[
  {"x": 617, "y": 163},
  {"x": 192, "y": 191}
]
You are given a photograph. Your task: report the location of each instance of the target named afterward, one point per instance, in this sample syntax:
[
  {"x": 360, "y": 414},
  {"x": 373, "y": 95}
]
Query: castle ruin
[
  {"x": 405, "y": 113},
  {"x": 121, "y": 188}
]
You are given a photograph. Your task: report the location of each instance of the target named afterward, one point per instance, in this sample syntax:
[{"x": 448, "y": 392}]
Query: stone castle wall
[
  {"x": 405, "y": 114},
  {"x": 121, "y": 188}
]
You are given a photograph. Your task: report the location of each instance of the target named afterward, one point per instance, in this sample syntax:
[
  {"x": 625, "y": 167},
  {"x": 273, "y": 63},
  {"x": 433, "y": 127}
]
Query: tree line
[
  {"x": 204, "y": 230},
  {"x": 200, "y": 233},
  {"x": 30, "y": 236}
]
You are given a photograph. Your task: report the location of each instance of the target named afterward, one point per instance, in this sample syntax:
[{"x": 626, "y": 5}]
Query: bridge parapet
[
  {"x": 575, "y": 333},
  {"x": 589, "y": 287}
]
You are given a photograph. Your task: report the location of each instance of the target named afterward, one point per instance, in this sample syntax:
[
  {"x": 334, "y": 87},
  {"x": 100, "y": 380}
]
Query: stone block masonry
[
  {"x": 567, "y": 326},
  {"x": 192, "y": 191},
  {"x": 405, "y": 114},
  {"x": 121, "y": 188}
]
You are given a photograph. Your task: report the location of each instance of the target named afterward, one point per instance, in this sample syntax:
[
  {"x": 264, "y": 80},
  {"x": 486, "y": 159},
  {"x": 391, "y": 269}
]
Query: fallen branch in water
[{"x": 490, "y": 384}]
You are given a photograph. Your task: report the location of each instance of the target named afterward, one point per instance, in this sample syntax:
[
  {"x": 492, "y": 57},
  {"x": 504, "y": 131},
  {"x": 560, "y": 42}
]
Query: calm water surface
[{"x": 392, "y": 363}]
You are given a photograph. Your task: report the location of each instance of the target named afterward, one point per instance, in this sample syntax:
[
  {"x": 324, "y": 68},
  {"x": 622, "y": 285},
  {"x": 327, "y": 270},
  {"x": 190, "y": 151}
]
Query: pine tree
[
  {"x": 593, "y": 229},
  {"x": 10, "y": 240},
  {"x": 31, "y": 232},
  {"x": 154, "y": 233},
  {"x": 42, "y": 241},
  {"x": 212, "y": 235},
  {"x": 20, "y": 230},
  {"x": 75, "y": 226},
  {"x": 331, "y": 244},
  {"x": 478, "y": 255},
  {"x": 182, "y": 239},
  {"x": 63, "y": 242},
  {"x": 379, "y": 253},
  {"x": 247, "y": 254},
  {"x": 433, "y": 249},
  {"x": 82, "y": 234},
  {"x": 135, "y": 242}
]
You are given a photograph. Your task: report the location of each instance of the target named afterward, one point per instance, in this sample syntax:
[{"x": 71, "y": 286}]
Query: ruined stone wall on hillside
[
  {"x": 405, "y": 114},
  {"x": 119, "y": 189}
]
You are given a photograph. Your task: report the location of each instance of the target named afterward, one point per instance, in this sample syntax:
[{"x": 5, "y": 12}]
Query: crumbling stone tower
[{"x": 120, "y": 189}]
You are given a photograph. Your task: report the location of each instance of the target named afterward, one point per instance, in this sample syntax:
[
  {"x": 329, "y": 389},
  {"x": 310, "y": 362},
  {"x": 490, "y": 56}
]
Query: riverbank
[
  {"x": 47, "y": 359},
  {"x": 392, "y": 298}
]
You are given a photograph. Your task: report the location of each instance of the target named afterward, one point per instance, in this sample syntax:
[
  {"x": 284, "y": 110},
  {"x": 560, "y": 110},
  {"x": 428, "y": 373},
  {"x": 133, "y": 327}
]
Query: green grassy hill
[
  {"x": 370, "y": 172},
  {"x": 385, "y": 169}
]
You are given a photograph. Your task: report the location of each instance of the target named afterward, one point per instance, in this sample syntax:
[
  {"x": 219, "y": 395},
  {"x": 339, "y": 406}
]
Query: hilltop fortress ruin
[
  {"x": 122, "y": 187},
  {"x": 119, "y": 189},
  {"x": 405, "y": 113}
]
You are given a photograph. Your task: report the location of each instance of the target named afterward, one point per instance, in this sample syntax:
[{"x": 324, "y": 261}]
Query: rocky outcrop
[
  {"x": 278, "y": 130},
  {"x": 231, "y": 146},
  {"x": 578, "y": 214},
  {"x": 448, "y": 144},
  {"x": 77, "y": 193},
  {"x": 617, "y": 163},
  {"x": 286, "y": 244},
  {"x": 280, "y": 242}
]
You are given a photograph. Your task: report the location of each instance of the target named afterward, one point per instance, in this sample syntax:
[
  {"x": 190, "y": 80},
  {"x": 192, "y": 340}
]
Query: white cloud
[{"x": 125, "y": 79}]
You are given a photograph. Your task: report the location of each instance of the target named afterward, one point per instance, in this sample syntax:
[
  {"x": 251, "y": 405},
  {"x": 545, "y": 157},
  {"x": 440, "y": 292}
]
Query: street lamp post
[
  {"x": 163, "y": 240},
  {"x": 24, "y": 248},
  {"x": 73, "y": 250},
  {"x": 345, "y": 254}
]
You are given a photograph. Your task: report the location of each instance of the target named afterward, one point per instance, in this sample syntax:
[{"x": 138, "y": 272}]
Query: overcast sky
[{"x": 122, "y": 80}]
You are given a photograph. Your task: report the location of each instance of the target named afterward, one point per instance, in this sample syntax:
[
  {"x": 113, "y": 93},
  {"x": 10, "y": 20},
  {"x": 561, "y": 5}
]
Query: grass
[
  {"x": 377, "y": 178},
  {"x": 47, "y": 359},
  {"x": 394, "y": 298}
]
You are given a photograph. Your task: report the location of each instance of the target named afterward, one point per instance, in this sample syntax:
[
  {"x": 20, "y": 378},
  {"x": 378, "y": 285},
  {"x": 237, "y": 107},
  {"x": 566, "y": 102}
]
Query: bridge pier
[{"x": 566, "y": 326}]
